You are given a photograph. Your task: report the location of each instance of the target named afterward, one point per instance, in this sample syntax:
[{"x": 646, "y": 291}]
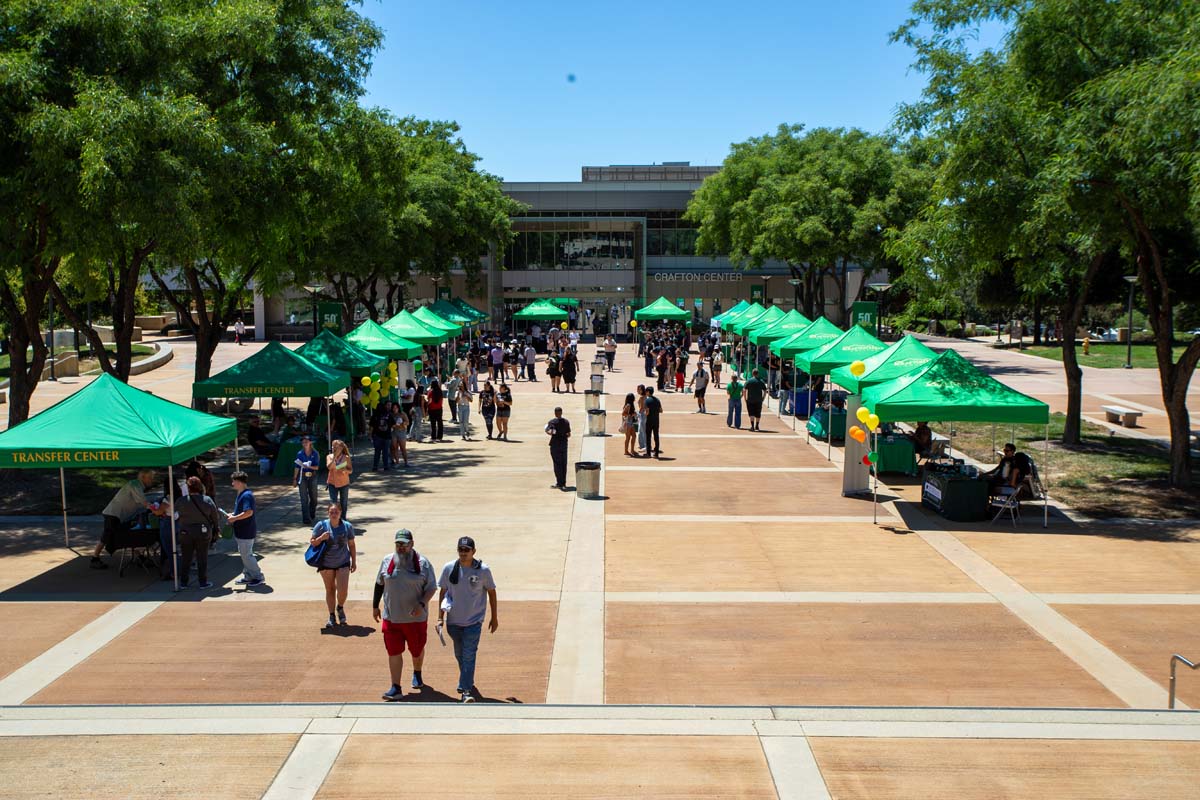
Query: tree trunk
[{"x": 26, "y": 330}]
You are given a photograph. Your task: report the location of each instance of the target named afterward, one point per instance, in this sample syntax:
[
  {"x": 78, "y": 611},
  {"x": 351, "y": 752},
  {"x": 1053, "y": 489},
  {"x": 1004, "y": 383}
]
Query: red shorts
[{"x": 397, "y": 634}]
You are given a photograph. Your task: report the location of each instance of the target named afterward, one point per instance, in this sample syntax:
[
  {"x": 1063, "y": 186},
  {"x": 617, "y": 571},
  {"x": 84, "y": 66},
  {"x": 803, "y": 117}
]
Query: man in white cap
[
  {"x": 405, "y": 583},
  {"x": 467, "y": 588}
]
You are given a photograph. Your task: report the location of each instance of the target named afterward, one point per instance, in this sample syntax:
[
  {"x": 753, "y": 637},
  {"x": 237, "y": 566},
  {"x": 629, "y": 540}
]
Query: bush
[{"x": 952, "y": 328}]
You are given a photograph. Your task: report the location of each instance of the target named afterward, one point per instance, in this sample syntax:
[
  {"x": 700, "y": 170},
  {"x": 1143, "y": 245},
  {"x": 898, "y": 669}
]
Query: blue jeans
[
  {"x": 734, "y": 416},
  {"x": 383, "y": 447},
  {"x": 308, "y": 499},
  {"x": 466, "y": 644},
  {"x": 249, "y": 563},
  {"x": 339, "y": 495}
]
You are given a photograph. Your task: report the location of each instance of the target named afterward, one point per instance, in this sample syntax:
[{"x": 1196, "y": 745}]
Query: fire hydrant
[{"x": 1087, "y": 346}]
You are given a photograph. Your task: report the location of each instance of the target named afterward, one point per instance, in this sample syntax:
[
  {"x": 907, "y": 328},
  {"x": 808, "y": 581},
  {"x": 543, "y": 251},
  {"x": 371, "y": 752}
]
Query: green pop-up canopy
[
  {"x": 772, "y": 315},
  {"x": 853, "y": 345},
  {"x": 901, "y": 358},
  {"x": 748, "y": 313},
  {"x": 662, "y": 308},
  {"x": 541, "y": 310},
  {"x": 372, "y": 336},
  {"x": 952, "y": 389},
  {"x": 125, "y": 427},
  {"x": 430, "y": 319},
  {"x": 333, "y": 351},
  {"x": 406, "y": 326},
  {"x": 790, "y": 323},
  {"x": 738, "y": 308},
  {"x": 821, "y": 332},
  {"x": 273, "y": 371},
  {"x": 564, "y": 301},
  {"x": 468, "y": 309},
  {"x": 452, "y": 313}
]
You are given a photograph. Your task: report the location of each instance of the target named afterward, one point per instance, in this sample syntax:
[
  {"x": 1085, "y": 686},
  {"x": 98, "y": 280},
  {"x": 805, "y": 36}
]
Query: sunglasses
[{"x": 464, "y": 549}]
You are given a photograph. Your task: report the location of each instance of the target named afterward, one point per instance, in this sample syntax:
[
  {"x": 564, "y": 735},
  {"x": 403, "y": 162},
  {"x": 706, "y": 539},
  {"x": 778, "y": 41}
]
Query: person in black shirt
[
  {"x": 653, "y": 410},
  {"x": 1011, "y": 470},
  {"x": 559, "y": 431},
  {"x": 381, "y": 435}
]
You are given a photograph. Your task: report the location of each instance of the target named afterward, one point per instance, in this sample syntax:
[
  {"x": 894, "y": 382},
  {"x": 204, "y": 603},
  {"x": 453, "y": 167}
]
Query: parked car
[{"x": 1105, "y": 335}]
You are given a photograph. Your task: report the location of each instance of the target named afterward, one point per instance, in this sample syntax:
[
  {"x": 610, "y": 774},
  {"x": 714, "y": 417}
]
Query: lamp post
[
  {"x": 437, "y": 279},
  {"x": 881, "y": 290},
  {"x": 795, "y": 282},
  {"x": 312, "y": 290},
  {"x": 1132, "y": 281}
]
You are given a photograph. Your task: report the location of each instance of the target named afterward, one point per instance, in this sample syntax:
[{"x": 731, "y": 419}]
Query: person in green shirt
[
  {"x": 755, "y": 391},
  {"x": 733, "y": 418}
]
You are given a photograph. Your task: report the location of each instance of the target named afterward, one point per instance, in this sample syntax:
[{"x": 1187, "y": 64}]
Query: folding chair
[{"x": 1008, "y": 500}]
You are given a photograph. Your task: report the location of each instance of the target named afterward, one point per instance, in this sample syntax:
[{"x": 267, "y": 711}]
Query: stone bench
[{"x": 1126, "y": 416}]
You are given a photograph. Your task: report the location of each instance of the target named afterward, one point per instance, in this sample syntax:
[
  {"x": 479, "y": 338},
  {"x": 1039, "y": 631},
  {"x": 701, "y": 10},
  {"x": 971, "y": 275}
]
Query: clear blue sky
[{"x": 654, "y": 81}]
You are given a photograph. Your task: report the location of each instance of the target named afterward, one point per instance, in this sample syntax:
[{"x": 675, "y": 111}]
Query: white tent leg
[
  {"x": 62, "y": 482},
  {"x": 1045, "y": 491},
  {"x": 174, "y": 544},
  {"x": 874, "y": 469},
  {"x": 237, "y": 457},
  {"x": 829, "y": 430}
]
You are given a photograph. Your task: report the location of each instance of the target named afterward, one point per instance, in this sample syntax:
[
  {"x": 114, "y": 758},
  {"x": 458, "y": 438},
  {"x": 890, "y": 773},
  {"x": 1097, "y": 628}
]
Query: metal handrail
[{"x": 1175, "y": 660}]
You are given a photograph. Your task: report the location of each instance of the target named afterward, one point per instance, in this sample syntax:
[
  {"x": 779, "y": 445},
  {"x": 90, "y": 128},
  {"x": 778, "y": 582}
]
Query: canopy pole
[
  {"x": 1045, "y": 483},
  {"x": 329, "y": 424},
  {"x": 993, "y": 440},
  {"x": 62, "y": 482},
  {"x": 237, "y": 458},
  {"x": 829, "y": 431},
  {"x": 173, "y": 501},
  {"x": 795, "y": 381},
  {"x": 874, "y": 468}
]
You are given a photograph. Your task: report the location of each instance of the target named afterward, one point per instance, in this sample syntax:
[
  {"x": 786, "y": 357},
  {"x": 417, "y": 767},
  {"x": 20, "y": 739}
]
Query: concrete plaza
[{"x": 723, "y": 623}]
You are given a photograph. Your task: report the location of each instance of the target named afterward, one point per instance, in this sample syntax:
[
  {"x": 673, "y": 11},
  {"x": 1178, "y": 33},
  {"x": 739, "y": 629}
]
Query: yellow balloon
[
  {"x": 563, "y": 326},
  {"x": 857, "y": 368},
  {"x": 366, "y": 380},
  {"x": 873, "y": 422},
  {"x": 863, "y": 414},
  {"x": 633, "y": 323}
]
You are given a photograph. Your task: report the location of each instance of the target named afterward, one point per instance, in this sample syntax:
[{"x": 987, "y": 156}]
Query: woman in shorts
[
  {"x": 487, "y": 405},
  {"x": 504, "y": 401},
  {"x": 629, "y": 424},
  {"x": 337, "y": 562},
  {"x": 400, "y": 434},
  {"x": 338, "y": 468}
]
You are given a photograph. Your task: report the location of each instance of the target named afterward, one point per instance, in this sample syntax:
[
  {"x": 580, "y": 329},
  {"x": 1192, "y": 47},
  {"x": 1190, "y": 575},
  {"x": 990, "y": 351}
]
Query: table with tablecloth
[
  {"x": 819, "y": 423},
  {"x": 896, "y": 454}
]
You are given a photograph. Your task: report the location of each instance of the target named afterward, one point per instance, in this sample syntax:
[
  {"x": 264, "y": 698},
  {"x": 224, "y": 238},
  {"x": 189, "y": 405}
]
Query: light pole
[
  {"x": 437, "y": 279},
  {"x": 795, "y": 282},
  {"x": 1132, "y": 281},
  {"x": 881, "y": 290},
  {"x": 312, "y": 290}
]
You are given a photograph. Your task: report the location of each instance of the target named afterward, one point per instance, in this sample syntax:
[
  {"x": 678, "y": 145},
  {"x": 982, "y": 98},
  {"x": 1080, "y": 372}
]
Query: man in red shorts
[{"x": 405, "y": 584}]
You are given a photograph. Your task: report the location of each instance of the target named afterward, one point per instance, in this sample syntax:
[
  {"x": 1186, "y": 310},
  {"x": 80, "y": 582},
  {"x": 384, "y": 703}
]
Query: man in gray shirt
[
  {"x": 405, "y": 583},
  {"x": 467, "y": 588}
]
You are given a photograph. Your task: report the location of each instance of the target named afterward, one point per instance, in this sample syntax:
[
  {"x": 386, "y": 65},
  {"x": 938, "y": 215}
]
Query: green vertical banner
[
  {"x": 865, "y": 313},
  {"x": 756, "y": 292},
  {"x": 330, "y": 315},
  {"x": 679, "y": 301},
  {"x": 443, "y": 293}
]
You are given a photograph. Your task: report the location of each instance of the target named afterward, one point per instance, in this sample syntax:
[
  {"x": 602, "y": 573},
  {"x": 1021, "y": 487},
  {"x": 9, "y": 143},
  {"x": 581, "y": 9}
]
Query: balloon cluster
[
  {"x": 377, "y": 385},
  {"x": 871, "y": 421}
]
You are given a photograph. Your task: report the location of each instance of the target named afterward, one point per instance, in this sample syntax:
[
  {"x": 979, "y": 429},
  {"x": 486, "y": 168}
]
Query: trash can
[
  {"x": 598, "y": 383},
  {"x": 587, "y": 479},
  {"x": 596, "y": 422},
  {"x": 591, "y": 400},
  {"x": 598, "y": 367}
]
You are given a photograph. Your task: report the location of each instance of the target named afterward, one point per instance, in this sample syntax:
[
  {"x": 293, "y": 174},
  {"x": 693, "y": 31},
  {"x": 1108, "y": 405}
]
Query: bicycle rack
[{"x": 1175, "y": 661}]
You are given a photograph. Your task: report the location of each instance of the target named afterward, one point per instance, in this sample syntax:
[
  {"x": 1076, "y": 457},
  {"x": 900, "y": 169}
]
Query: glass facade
[{"x": 575, "y": 244}]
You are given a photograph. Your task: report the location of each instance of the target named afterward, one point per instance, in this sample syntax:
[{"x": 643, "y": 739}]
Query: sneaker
[
  {"x": 256, "y": 582},
  {"x": 417, "y": 683},
  {"x": 330, "y": 623},
  {"x": 341, "y": 612},
  {"x": 97, "y": 563},
  {"x": 206, "y": 584},
  {"x": 393, "y": 694},
  {"x": 467, "y": 697},
  {"x": 242, "y": 581}
]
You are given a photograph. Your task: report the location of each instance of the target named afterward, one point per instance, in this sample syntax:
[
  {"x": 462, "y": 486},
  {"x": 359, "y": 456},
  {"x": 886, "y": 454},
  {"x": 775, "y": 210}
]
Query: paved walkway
[{"x": 730, "y": 575}]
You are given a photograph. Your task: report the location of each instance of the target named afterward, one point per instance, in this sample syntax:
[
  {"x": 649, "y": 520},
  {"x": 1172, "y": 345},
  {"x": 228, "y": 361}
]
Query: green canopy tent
[
  {"x": 662, "y": 309},
  {"x": 452, "y": 313},
  {"x": 951, "y": 389},
  {"x": 746, "y": 324},
  {"x": 738, "y": 308},
  {"x": 819, "y": 333},
  {"x": 374, "y": 338},
  {"x": 406, "y": 326},
  {"x": 749, "y": 312},
  {"x": 125, "y": 427},
  {"x": 333, "y": 351},
  {"x": 790, "y": 323},
  {"x": 541, "y": 310},
  {"x": 468, "y": 309},
  {"x": 853, "y": 345},
  {"x": 569, "y": 302},
  {"x": 430, "y": 319}
]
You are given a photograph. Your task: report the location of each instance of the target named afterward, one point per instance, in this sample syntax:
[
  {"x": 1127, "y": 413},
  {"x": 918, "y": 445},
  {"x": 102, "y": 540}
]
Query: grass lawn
[
  {"x": 138, "y": 350},
  {"x": 1107, "y": 356},
  {"x": 1105, "y": 476}
]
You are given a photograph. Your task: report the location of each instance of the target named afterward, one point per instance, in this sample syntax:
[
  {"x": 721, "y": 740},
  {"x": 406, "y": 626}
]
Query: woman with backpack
[
  {"x": 338, "y": 559},
  {"x": 197, "y": 523},
  {"x": 433, "y": 403}
]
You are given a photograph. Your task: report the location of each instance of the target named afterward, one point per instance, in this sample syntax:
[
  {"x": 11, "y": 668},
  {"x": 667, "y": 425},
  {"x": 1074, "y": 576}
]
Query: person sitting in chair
[
  {"x": 1010, "y": 472},
  {"x": 922, "y": 438},
  {"x": 259, "y": 440}
]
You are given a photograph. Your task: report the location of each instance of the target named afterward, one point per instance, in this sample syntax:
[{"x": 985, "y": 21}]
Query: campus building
[{"x": 615, "y": 238}]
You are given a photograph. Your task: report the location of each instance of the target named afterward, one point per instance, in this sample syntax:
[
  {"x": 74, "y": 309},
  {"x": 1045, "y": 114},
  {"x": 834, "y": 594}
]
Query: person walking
[
  {"x": 653, "y": 413},
  {"x": 304, "y": 476},
  {"x": 661, "y": 362},
  {"x": 400, "y": 423},
  {"x": 717, "y": 361},
  {"x": 381, "y": 437},
  {"x": 451, "y": 392},
  {"x": 337, "y": 562},
  {"x": 559, "y": 431},
  {"x": 700, "y": 383},
  {"x": 641, "y": 416},
  {"x": 465, "y": 590},
  {"x": 629, "y": 424},
  {"x": 338, "y": 468},
  {"x": 435, "y": 399},
  {"x": 681, "y": 364},
  {"x": 733, "y": 417},
  {"x": 530, "y": 362},
  {"x": 404, "y": 584},
  {"x": 570, "y": 368},
  {"x": 504, "y": 400},
  {"x": 487, "y": 405},
  {"x": 197, "y": 520},
  {"x": 245, "y": 529},
  {"x": 553, "y": 370},
  {"x": 610, "y": 351},
  {"x": 463, "y": 401},
  {"x": 418, "y": 413},
  {"x": 239, "y": 331},
  {"x": 754, "y": 391}
]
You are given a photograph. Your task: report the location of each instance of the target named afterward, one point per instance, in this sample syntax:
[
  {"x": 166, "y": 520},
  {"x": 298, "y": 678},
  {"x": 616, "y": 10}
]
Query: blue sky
[{"x": 654, "y": 81}]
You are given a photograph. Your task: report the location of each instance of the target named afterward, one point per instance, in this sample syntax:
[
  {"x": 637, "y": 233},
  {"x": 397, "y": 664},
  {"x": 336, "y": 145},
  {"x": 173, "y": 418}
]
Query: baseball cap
[
  {"x": 404, "y": 535},
  {"x": 466, "y": 541}
]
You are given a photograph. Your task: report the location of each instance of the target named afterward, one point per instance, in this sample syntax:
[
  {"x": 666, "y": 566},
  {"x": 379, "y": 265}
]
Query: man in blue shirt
[
  {"x": 467, "y": 588},
  {"x": 245, "y": 528},
  {"x": 308, "y": 461}
]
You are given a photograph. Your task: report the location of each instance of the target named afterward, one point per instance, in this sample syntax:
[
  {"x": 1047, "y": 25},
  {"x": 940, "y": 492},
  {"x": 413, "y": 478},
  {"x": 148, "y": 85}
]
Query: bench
[{"x": 1126, "y": 416}]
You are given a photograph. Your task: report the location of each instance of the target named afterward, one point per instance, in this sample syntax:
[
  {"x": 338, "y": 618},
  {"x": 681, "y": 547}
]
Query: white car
[{"x": 1105, "y": 335}]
